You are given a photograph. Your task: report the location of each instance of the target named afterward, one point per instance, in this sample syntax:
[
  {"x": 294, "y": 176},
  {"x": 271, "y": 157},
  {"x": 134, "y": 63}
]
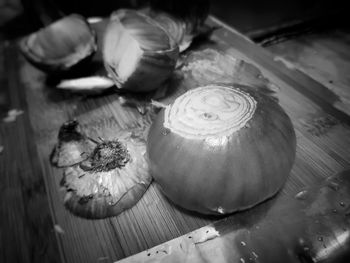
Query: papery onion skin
[
  {"x": 111, "y": 180},
  {"x": 60, "y": 46},
  {"x": 236, "y": 169},
  {"x": 178, "y": 29},
  {"x": 72, "y": 145},
  {"x": 152, "y": 64},
  {"x": 101, "y": 178},
  {"x": 97, "y": 207},
  {"x": 183, "y": 20}
]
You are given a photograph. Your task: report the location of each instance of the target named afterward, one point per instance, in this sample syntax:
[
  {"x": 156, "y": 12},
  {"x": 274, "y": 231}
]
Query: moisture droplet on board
[
  {"x": 306, "y": 249},
  {"x": 220, "y": 210},
  {"x": 274, "y": 87},
  {"x": 301, "y": 195},
  {"x": 320, "y": 239},
  {"x": 243, "y": 243},
  {"x": 342, "y": 203},
  {"x": 58, "y": 229}
]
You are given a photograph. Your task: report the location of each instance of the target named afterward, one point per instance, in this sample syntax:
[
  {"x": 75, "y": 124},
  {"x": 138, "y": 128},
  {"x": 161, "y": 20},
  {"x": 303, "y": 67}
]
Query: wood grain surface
[
  {"x": 324, "y": 57},
  {"x": 323, "y": 148},
  {"x": 27, "y": 232}
]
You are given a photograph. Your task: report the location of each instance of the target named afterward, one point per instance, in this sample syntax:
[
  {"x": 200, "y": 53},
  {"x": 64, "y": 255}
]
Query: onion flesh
[{"x": 138, "y": 53}]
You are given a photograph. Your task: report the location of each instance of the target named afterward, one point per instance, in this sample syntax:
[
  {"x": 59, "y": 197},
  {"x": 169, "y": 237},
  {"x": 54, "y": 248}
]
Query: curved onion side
[
  {"x": 218, "y": 149},
  {"x": 138, "y": 53},
  {"x": 61, "y": 45}
]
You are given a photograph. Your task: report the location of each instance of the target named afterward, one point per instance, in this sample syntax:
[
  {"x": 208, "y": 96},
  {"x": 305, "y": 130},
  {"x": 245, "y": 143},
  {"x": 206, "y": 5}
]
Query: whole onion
[
  {"x": 138, "y": 53},
  {"x": 61, "y": 45},
  {"x": 221, "y": 148}
]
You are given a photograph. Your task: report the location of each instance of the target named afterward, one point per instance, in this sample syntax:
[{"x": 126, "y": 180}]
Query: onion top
[{"x": 209, "y": 112}]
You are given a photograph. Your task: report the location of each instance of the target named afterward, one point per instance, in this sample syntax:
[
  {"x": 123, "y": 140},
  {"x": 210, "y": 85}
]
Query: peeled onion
[
  {"x": 221, "y": 148},
  {"x": 61, "y": 45},
  {"x": 138, "y": 53}
]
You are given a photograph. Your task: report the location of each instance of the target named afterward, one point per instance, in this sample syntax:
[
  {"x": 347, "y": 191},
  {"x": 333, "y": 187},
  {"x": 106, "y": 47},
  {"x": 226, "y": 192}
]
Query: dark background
[{"x": 251, "y": 17}]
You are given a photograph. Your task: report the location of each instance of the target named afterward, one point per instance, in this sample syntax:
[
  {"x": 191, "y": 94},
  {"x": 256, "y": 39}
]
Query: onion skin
[
  {"x": 183, "y": 20},
  {"x": 105, "y": 185},
  {"x": 98, "y": 207},
  {"x": 61, "y": 45},
  {"x": 155, "y": 58},
  {"x": 101, "y": 178},
  {"x": 225, "y": 173}
]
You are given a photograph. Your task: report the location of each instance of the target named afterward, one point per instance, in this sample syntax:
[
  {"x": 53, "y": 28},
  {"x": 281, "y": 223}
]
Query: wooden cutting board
[{"x": 323, "y": 148}]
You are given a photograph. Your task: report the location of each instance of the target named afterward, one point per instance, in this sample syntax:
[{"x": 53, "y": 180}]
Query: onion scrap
[{"x": 101, "y": 178}]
